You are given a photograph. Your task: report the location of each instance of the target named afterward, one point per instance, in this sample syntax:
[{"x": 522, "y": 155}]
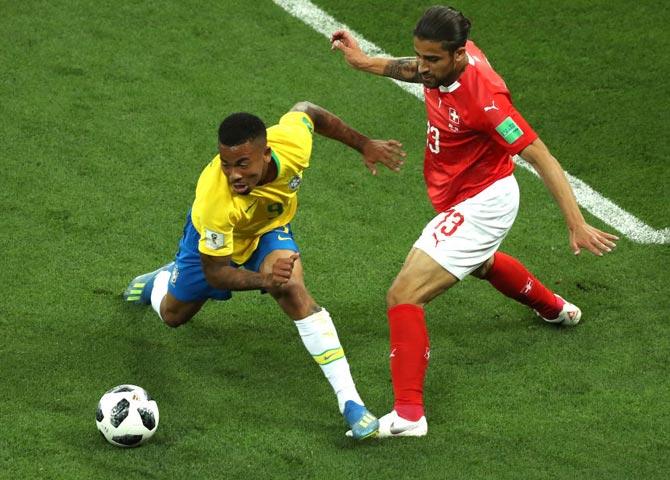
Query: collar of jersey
[
  {"x": 276, "y": 159},
  {"x": 450, "y": 88}
]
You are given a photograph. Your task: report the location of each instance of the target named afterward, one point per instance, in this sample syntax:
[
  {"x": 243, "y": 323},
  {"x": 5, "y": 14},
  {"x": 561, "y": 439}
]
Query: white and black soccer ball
[{"x": 127, "y": 416}]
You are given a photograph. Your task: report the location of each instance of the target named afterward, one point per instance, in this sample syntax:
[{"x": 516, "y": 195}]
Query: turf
[{"x": 110, "y": 112}]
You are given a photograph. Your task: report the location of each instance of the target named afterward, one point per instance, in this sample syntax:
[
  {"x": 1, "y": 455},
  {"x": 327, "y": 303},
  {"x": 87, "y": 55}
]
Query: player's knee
[
  {"x": 397, "y": 295},
  {"x": 483, "y": 269},
  {"x": 290, "y": 290},
  {"x": 174, "y": 319}
]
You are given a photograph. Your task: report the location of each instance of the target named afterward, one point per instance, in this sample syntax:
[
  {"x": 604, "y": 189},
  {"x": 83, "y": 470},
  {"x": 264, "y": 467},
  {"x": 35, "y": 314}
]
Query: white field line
[{"x": 600, "y": 207}]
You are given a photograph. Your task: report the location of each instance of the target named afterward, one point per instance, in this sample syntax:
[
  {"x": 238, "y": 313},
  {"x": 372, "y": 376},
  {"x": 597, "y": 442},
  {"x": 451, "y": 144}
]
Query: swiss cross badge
[
  {"x": 454, "y": 119},
  {"x": 453, "y": 116}
]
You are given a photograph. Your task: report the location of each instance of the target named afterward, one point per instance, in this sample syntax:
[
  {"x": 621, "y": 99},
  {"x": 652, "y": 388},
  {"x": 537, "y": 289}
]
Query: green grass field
[{"x": 109, "y": 112}]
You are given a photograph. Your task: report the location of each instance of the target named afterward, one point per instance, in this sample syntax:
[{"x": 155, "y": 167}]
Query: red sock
[
  {"x": 409, "y": 358},
  {"x": 511, "y": 278}
]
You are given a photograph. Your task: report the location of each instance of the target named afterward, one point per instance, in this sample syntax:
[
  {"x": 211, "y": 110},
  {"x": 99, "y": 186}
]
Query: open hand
[
  {"x": 388, "y": 152},
  {"x": 595, "y": 241}
]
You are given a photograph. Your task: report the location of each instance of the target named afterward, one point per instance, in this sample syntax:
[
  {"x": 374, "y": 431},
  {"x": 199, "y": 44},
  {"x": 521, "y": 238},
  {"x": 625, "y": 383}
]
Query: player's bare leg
[
  {"x": 175, "y": 313},
  {"x": 420, "y": 280},
  {"x": 293, "y": 296},
  {"x": 319, "y": 336}
]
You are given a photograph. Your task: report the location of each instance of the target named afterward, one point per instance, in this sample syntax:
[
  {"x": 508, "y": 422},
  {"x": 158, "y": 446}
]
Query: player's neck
[{"x": 459, "y": 68}]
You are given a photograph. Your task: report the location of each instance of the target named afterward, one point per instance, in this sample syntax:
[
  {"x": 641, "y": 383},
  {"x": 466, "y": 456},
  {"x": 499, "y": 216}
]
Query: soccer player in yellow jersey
[{"x": 244, "y": 202}]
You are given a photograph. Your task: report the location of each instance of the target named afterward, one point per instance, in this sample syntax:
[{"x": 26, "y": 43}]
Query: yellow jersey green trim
[
  {"x": 276, "y": 159},
  {"x": 308, "y": 124}
]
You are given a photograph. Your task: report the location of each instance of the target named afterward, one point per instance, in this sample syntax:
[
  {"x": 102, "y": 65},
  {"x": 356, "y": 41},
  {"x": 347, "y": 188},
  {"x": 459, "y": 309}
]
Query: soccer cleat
[
  {"x": 570, "y": 314},
  {"x": 363, "y": 424},
  {"x": 139, "y": 290},
  {"x": 391, "y": 425}
]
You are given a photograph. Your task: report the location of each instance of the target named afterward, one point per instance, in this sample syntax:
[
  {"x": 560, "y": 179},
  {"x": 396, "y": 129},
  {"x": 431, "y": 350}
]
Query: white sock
[
  {"x": 160, "y": 290},
  {"x": 319, "y": 336}
]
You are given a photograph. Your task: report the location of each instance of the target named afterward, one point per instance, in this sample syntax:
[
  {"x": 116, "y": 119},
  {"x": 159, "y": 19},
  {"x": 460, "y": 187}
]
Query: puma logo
[{"x": 491, "y": 107}]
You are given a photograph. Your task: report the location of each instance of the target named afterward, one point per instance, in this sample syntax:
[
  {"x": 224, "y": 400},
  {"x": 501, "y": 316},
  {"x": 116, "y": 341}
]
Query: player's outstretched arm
[
  {"x": 221, "y": 274},
  {"x": 387, "y": 152},
  {"x": 582, "y": 235},
  {"x": 405, "y": 69}
]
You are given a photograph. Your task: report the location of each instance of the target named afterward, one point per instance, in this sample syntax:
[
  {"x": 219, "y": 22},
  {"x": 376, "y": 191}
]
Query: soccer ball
[{"x": 127, "y": 416}]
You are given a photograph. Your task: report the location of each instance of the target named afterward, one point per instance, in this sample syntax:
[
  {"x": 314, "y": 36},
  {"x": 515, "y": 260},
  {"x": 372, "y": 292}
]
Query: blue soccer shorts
[{"x": 188, "y": 282}]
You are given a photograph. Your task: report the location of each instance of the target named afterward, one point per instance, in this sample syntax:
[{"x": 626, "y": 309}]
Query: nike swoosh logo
[
  {"x": 249, "y": 207},
  {"x": 279, "y": 237},
  {"x": 396, "y": 430}
]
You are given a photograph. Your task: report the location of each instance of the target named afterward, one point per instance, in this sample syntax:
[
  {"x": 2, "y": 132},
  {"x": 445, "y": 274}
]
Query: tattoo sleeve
[
  {"x": 333, "y": 127},
  {"x": 220, "y": 274},
  {"x": 405, "y": 69}
]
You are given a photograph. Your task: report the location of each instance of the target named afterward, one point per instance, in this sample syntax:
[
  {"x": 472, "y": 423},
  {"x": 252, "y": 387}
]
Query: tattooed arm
[
  {"x": 221, "y": 274},
  {"x": 405, "y": 69},
  {"x": 388, "y": 152}
]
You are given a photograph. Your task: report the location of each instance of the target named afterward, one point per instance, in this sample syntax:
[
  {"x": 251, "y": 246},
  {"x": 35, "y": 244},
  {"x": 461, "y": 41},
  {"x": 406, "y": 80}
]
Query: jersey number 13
[{"x": 433, "y": 139}]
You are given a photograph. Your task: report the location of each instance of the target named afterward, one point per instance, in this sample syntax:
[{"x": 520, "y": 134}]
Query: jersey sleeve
[
  {"x": 294, "y": 132},
  {"x": 215, "y": 240},
  {"x": 212, "y": 222},
  {"x": 300, "y": 119},
  {"x": 504, "y": 123}
]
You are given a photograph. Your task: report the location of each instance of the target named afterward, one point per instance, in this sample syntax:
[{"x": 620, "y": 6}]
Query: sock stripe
[{"x": 329, "y": 356}]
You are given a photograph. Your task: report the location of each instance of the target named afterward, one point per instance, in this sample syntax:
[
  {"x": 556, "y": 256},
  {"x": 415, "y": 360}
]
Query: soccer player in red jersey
[{"x": 472, "y": 133}]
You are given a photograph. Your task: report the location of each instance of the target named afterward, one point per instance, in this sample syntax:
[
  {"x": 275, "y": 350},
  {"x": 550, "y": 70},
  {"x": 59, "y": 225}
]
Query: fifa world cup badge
[{"x": 214, "y": 240}]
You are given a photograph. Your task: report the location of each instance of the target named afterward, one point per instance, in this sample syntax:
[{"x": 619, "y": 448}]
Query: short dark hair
[
  {"x": 443, "y": 24},
  {"x": 240, "y": 128}
]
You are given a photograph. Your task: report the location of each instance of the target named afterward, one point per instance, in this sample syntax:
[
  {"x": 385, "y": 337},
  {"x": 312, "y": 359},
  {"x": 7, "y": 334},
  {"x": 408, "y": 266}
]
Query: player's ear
[
  {"x": 267, "y": 154},
  {"x": 459, "y": 54}
]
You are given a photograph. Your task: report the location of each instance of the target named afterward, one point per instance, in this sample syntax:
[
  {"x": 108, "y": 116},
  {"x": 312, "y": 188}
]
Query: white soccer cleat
[
  {"x": 570, "y": 314},
  {"x": 391, "y": 425}
]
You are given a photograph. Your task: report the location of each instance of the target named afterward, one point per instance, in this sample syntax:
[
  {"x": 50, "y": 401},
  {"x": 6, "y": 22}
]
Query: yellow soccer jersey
[{"x": 231, "y": 224}]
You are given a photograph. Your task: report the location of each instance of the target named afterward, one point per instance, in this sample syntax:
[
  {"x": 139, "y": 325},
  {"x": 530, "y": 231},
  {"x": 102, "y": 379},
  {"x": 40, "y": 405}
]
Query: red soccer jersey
[{"x": 473, "y": 131}]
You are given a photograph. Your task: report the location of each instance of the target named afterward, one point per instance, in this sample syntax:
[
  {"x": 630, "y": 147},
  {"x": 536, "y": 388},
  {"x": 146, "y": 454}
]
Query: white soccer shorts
[{"x": 466, "y": 235}]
